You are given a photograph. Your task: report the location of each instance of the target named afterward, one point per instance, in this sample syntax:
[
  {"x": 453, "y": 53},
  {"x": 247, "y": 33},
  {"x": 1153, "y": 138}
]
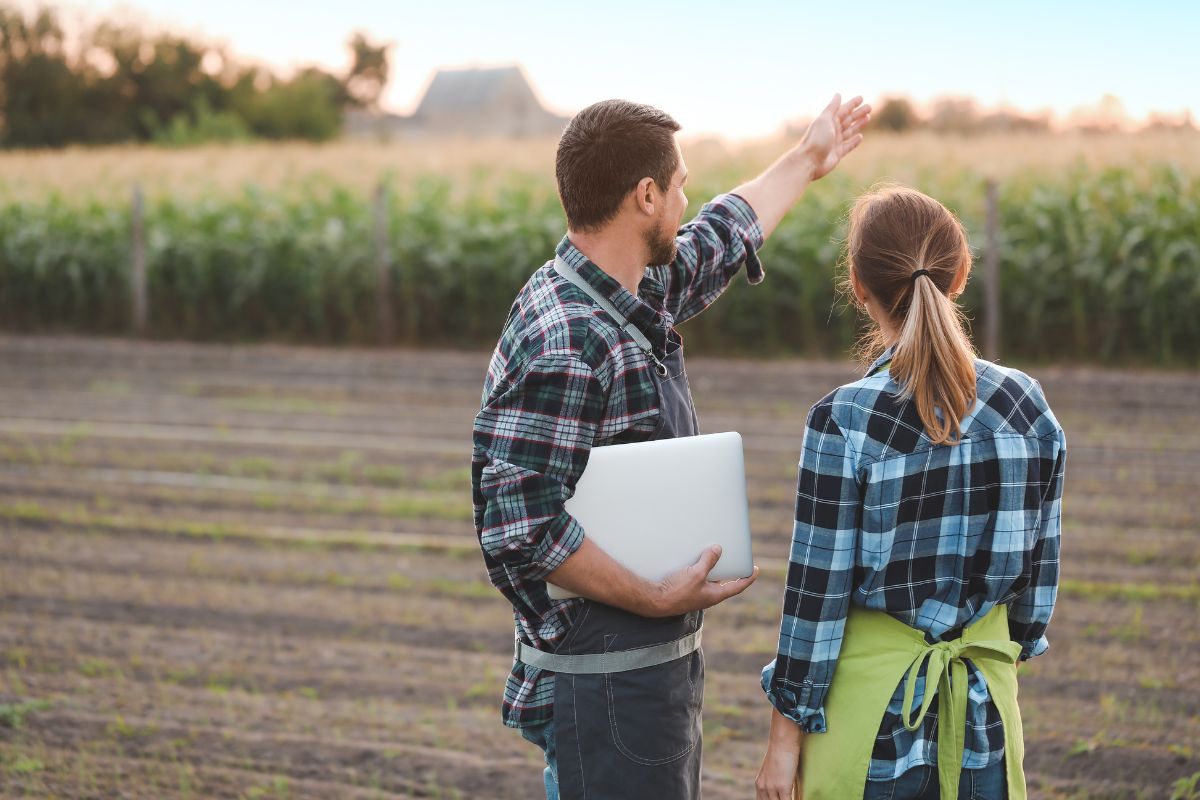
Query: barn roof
[{"x": 464, "y": 90}]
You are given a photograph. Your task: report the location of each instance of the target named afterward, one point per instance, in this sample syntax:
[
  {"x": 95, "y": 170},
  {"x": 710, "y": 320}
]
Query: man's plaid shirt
[
  {"x": 936, "y": 536},
  {"x": 564, "y": 379}
]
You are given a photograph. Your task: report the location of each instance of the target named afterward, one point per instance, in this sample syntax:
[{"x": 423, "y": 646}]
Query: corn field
[{"x": 1098, "y": 263}]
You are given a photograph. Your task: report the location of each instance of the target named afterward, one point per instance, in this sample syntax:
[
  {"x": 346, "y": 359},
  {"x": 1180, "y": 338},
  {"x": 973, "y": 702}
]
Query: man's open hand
[
  {"x": 830, "y": 137},
  {"x": 689, "y": 589},
  {"x": 834, "y": 133}
]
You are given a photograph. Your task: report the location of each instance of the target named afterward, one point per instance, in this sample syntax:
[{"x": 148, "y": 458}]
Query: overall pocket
[{"x": 654, "y": 712}]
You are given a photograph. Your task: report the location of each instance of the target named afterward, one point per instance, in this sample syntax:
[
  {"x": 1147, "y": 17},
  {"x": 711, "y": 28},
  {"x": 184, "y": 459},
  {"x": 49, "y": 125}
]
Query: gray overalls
[{"x": 623, "y": 732}]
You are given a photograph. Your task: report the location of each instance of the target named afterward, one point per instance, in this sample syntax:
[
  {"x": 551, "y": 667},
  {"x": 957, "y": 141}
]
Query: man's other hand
[{"x": 689, "y": 589}]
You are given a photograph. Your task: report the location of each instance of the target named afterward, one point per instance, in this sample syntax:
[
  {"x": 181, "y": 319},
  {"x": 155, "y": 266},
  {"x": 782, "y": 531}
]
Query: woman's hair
[{"x": 895, "y": 231}]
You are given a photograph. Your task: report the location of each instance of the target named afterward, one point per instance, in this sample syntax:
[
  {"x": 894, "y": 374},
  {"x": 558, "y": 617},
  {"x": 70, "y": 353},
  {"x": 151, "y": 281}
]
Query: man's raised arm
[
  {"x": 730, "y": 229},
  {"x": 830, "y": 137}
]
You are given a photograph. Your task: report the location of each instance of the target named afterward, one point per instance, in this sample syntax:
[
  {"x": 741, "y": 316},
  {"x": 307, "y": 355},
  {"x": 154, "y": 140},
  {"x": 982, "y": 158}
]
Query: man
[{"x": 589, "y": 356}]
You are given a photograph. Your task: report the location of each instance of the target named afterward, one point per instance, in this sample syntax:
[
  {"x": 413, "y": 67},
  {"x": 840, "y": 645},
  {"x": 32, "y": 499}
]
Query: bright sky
[{"x": 738, "y": 67}]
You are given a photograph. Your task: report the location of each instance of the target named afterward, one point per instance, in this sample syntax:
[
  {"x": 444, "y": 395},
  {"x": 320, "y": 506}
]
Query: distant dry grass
[{"x": 103, "y": 173}]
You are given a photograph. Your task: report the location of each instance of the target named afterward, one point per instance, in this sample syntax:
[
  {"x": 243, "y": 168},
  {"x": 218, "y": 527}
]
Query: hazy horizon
[{"x": 1029, "y": 58}]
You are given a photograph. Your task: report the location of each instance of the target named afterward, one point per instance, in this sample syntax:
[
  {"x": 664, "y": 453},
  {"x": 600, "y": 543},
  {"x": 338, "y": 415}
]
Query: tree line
[
  {"x": 962, "y": 115},
  {"x": 115, "y": 82}
]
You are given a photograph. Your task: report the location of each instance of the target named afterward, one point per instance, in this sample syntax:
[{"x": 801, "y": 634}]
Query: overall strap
[
  {"x": 616, "y": 661},
  {"x": 568, "y": 272}
]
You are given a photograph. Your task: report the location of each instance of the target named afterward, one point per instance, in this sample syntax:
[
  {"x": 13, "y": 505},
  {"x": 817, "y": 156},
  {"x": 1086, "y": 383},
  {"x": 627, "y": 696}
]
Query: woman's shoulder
[
  {"x": 992, "y": 372},
  {"x": 872, "y": 413},
  {"x": 865, "y": 394},
  {"x": 863, "y": 406},
  {"x": 1011, "y": 399}
]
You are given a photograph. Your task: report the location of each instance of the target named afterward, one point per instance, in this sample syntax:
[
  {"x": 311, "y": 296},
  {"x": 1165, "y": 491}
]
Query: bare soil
[{"x": 250, "y": 572}]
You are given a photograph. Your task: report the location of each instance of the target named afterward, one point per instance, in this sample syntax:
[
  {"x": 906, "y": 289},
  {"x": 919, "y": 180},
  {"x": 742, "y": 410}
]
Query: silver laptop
[{"x": 654, "y": 506}]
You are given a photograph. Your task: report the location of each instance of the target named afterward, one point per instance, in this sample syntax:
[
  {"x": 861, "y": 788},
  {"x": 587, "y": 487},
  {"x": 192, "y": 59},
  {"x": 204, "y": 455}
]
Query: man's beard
[{"x": 661, "y": 244}]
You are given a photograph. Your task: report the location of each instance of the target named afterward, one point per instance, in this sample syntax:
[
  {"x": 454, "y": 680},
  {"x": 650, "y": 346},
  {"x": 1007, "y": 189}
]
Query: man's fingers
[
  {"x": 854, "y": 128},
  {"x": 708, "y": 559},
  {"x": 858, "y": 115},
  {"x": 731, "y": 588},
  {"x": 850, "y": 105},
  {"x": 850, "y": 144},
  {"x": 753, "y": 576}
]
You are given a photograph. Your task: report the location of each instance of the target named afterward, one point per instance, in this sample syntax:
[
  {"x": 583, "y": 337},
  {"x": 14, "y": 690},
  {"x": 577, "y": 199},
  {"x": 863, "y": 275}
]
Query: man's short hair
[{"x": 606, "y": 149}]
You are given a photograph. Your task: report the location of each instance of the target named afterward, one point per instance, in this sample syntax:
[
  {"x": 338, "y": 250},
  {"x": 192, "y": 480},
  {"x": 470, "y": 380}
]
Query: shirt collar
[
  {"x": 645, "y": 309},
  {"x": 886, "y": 355}
]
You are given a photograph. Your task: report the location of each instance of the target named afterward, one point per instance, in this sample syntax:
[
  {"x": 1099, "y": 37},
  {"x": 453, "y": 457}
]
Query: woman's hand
[
  {"x": 782, "y": 761},
  {"x": 777, "y": 774}
]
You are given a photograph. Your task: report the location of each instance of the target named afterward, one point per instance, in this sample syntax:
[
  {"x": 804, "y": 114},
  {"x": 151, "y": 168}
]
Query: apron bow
[{"x": 946, "y": 664}]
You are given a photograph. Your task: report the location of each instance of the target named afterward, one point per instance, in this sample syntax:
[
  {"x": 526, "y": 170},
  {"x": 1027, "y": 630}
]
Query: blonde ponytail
[
  {"x": 894, "y": 233},
  {"x": 934, "y": 362}
]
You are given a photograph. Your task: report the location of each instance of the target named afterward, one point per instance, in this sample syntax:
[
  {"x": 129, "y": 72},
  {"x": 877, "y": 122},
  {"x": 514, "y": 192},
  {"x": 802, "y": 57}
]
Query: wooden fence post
[
  {"x": 138, "y": 267},
  {"x": 991, "y": 283},
  {"x": 383, "y": 267}
]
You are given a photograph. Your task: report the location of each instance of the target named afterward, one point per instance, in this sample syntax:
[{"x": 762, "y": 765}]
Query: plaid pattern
[
  {"x": 935, "y": 536},
  {"x": 563, "y": 379}
]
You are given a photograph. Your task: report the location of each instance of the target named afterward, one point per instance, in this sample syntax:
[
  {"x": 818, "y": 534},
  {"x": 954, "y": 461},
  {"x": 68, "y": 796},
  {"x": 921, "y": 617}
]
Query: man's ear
[{"x": 646, "y": 197}]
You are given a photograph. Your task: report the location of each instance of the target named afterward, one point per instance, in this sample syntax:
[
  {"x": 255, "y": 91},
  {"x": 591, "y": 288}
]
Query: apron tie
[{"x": 946, "y": 663}]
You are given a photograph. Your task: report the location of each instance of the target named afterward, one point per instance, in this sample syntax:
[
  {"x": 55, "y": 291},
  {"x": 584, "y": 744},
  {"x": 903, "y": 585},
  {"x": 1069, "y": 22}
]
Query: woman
[{"x": 925, "y": 548}]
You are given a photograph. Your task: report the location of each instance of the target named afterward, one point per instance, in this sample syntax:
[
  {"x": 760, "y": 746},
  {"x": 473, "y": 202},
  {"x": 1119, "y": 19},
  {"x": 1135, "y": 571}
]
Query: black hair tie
[{"x": 919, "y": 273}]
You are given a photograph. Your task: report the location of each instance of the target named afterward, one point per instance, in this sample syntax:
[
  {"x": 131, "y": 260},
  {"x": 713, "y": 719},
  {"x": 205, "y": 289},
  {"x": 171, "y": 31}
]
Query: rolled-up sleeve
[
  {"x": 820, "y": 574},
  {"x": 532, "y": 442},
  {"x": 1029, "y": 614},
  {"x": 712, "y": 248}
]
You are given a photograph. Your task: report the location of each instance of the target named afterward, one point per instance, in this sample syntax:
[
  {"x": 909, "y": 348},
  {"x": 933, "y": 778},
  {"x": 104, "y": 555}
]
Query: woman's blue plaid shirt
[{"x": 934, "y": 535}]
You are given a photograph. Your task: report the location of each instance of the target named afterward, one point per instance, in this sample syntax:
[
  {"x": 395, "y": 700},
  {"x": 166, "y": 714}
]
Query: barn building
[{"x": 474, "y": 103}]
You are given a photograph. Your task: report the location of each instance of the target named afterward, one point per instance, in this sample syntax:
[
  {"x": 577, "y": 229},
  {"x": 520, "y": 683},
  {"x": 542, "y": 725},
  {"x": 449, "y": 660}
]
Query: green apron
[{"x": 877, "y": 651}]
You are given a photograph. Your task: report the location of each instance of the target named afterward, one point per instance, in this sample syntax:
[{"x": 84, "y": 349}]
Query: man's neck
[{"x": 621, "y": 257}]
